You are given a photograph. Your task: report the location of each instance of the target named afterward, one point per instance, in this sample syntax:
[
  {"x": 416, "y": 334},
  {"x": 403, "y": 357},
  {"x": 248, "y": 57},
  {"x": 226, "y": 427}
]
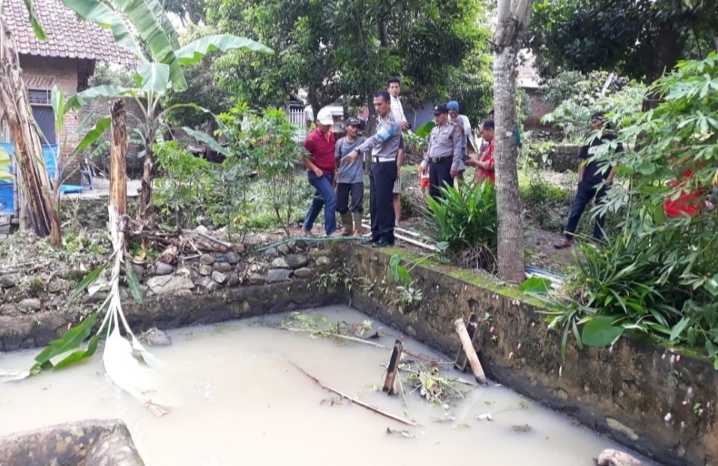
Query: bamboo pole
[
  {"x": 468, "y": 346},
  {"x": 118, "y": 157},
  {"x": 393, "y": 368},
  {"x": 473, "y": 326},
  {"x": 356, "y": 401}
]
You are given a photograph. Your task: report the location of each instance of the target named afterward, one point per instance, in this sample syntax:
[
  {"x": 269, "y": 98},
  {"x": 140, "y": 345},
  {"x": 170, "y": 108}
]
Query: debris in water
[
  {"x": 523, "y": 428},
  {"x": 484, "y": 417},
  {"x": 399, "y": 433},
  {"x": 610, "y": 457}
]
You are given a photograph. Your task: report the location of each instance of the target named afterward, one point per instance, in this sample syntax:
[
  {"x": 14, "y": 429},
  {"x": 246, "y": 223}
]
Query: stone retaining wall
[{"x": 655, "y": 401}]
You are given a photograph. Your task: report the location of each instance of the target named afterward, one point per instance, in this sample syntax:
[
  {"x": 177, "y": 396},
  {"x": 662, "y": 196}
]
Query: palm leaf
[{"x": 197, "y": 49}]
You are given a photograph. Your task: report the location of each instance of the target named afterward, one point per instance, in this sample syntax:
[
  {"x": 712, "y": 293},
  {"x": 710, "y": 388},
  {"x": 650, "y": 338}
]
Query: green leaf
[
  {"x": 134, "y": 283},
  {"x": 5, "y": 164},
  {"x": 197, "y": 49},
  {"x": 535, "y": 285},
  {"x": 93, "y": 135},
  {"x": 600, "y": 331},
  {"x": 79, "y": 355},
  {"x": 87, "y": 281},
  {"x": 35, "y": 21},
  {"x": 394, "y": 262},
  {"x": 207, "y": 139},
  {"x": 69, "y": 341},
  {"x": 154, "y": 77},
  {"x": 58, "y": 107},
  {"x": 424, "y": 130},
  {"x": 85, "y": 97},
  {"x": 679, "y": 327}
]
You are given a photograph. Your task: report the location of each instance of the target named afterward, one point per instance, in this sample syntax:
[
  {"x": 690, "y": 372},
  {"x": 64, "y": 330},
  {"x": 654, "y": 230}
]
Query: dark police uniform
[{"x": 444, "y": 153}]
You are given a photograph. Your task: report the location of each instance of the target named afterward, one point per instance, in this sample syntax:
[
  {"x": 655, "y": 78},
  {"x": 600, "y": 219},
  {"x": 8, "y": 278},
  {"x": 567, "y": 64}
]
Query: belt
[
  {"x": 383, "y": 159},
  {"x": 439, "y": 159}
]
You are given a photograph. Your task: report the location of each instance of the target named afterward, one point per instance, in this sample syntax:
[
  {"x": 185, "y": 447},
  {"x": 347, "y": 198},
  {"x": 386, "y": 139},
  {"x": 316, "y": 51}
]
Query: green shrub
[{"x": 465, "y": 220}]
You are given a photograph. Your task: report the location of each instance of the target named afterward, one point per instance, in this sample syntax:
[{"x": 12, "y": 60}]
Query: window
[{"x": 40, "y": 101}]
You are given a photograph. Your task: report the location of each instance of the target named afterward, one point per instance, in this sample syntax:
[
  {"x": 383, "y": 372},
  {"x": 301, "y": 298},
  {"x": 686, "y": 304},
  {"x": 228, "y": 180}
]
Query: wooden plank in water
[{"x": 473, "y": 329}]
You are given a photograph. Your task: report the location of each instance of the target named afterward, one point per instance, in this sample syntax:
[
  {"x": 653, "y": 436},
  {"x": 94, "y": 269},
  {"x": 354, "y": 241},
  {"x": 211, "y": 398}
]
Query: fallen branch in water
[
  {"x": 325, "y": 333},
  {"x": 356, "y": 401}
]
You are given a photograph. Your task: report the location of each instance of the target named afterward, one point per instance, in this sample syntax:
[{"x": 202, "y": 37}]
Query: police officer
[
  {"x": 445, "y": 152},
  {"x": 384, "y": 147}
]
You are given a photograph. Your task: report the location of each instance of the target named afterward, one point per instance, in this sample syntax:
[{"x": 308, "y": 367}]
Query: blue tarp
[{"x": 7, "y": 196}]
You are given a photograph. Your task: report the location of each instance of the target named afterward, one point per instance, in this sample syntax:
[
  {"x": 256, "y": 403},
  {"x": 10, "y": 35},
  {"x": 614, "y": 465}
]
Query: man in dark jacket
[{"x": 593, "y": 182}]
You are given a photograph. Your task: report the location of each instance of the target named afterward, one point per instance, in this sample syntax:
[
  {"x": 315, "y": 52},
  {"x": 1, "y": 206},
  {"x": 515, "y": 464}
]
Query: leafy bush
[{"x": 465, "y": 220}]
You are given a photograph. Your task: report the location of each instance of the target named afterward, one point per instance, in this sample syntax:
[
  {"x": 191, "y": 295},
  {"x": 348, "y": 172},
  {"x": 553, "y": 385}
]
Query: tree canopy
[
  {"x": 346, "y": 48},
  {"x": 640, "y": 39}
]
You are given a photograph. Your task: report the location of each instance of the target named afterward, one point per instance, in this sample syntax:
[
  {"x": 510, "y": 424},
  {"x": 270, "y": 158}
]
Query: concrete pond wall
[
  {"x": 654, "y": 400},
  {"x": 651, "y": 399}
]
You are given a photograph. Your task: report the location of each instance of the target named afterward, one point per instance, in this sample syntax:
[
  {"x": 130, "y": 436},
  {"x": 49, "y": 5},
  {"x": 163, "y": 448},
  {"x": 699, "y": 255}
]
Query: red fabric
[
  {"x": 488, "y": 156},
  {"x": 321, "y": 148},
  {"x": 688, "y": 203}
]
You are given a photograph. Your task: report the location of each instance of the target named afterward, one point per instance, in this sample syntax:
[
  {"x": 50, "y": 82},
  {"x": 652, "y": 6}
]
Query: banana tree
[{"x": 154, "y": 80}]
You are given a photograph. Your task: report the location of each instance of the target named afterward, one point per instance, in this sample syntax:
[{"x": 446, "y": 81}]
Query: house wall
[{"x": 64, "y": 71}]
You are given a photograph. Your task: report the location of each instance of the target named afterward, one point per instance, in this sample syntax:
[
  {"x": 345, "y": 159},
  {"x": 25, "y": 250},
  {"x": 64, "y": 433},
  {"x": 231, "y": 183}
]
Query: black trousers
[
  {"x": 381, "y": 203},
  {"x": 357, "y": 192},
  {"x": 440, "y": 175},
  {"x": 586, "y": 191}
]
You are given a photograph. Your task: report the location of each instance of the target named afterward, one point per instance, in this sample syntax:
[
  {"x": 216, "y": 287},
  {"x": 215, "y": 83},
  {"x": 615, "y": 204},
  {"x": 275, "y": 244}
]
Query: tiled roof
[{"x": 68, "y": 36}]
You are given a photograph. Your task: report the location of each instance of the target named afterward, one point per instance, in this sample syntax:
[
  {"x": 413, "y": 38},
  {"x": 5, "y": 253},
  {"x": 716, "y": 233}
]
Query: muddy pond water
[{"x": 236, "y": 397}]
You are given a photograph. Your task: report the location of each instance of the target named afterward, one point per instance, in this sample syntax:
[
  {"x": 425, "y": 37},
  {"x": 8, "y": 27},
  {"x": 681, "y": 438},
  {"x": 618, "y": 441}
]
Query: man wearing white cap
[{"x": 321, "y": 166}]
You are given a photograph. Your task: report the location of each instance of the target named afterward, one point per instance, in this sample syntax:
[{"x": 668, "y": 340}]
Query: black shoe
[
  {"x": 381, "y": 244},
  {"x": 368, "y": 240}
]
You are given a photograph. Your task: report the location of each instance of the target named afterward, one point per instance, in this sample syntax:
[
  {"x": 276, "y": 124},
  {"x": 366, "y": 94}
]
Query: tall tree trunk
[
  {"x": 118, "y": 158},
  {"x": 15, "y": 109},
  {"x": 511, "y": 24},
  {"x": 667, "y": 53},
  {"x": 146, "y": 187}
]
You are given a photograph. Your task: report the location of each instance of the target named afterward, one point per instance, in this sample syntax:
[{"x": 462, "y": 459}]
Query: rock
[
  {"x": 280, "y": 263},
  {"x": 9, "y": 309},
  {"x": 207, "y": 283},
  {"x": 166, "y": 284},
  {"x": 202, "y": 230},
  {"x": 271, "y": 252},
  {"x": 233, "y": 258},
  {"x": 7, "y": 281},
  {"x": 206, "y": 259},
  {"x": 256, "y": 279},
  {"x": 278, "y": 275},
  {"x": 223, "y": 267},
  {"x": 240, "y": 248},
  {"x": 157, "y": 337},
  {"x": 303, "y": 272},
  {"x": 323, "y": 260},
  {"x": 316, "y": 254},
  {"x": 293, "y": 247},
  {"x": 139, "y": 270},
  {"x": 616, "y": 425},
  {"x": 95, "y": 298},
  {"x": 30, "y": 304},
  {"x": 611, "y": 457},
  {"x": 283, "y": 249},
  {"x": 233, "y": 280},
  {"x": 59, "y": 284},
  {"x": 162, "y": 268},
  {"x": 296, "y": 261},
  {"x": 219, "y": 277},
  {"x": 205, "y": 269}
]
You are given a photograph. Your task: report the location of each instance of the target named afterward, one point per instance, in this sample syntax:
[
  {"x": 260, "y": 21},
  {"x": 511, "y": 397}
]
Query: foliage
[
  {"x": 465, "y": 219},
  {"x": 344, "y": 49},
  {"x": 573, "y": 113},
  {"x": 409, "y": 293},
  {"x": 111, "y": 75},
  {"x": 539, "y": 198},
  {"x": 658, "y": 276},
  {"x": 5, "y": 166},
  {"x": 637, "y": 38},
  {"x": 182, "y": 192},
  {"x": 437, "y": 389}
]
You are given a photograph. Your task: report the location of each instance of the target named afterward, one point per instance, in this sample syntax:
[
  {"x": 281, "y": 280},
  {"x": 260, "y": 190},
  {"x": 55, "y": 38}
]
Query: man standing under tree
[
  {"x": 398, "y": 110},
  {"x": 384, "y": 147},
  {"x": 320, "y": 144},
  {"x": 444, "y": 153},
  {"x": 592, "y": 181},
  {"x": 350, "y": 179}
]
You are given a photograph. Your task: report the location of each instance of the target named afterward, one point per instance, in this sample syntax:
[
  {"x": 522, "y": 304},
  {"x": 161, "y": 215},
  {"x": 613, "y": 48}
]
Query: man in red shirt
[
  {"x": 321, "y": 167},
  {"x": 485, "y": 164}
]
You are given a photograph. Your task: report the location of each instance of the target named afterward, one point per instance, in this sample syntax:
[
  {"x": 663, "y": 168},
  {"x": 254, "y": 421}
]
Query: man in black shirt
[{"x": 592, "y": 181}]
